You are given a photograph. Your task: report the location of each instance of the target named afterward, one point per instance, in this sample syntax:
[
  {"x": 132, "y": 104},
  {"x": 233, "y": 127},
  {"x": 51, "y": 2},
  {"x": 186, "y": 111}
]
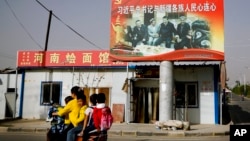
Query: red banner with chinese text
[
  {"x": 65, "y": 59},
  {"x": 155, "y": 30}
]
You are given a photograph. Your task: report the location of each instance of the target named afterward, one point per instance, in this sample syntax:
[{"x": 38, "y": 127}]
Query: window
[
  {"x": 188, "y": 90},
  {"x": 51, "y": 93}
]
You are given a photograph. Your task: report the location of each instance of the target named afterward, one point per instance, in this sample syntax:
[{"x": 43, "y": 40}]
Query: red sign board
[
  {"x": 156, "y": 30},
  {"x": 65, "y": 59}
]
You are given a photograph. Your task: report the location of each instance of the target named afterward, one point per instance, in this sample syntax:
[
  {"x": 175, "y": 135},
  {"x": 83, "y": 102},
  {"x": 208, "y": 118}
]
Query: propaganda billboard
[{"x": 174, "y": 30}]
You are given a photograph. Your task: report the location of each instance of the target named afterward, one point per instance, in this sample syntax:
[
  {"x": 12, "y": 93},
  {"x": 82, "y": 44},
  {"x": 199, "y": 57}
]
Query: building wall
[
  {"x": 206, "y": 89},
  {"x": 205, "y": 113},
  {"x": 113, "y": 79},
  {"x": 9, "y": 81},
  {"x": 32, "y": 90},
  {"x": 110, "y": 78},
  {"x": 3, "y": 90}
]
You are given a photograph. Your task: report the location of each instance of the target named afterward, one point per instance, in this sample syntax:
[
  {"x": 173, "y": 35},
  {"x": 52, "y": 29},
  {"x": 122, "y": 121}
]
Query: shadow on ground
[
  {"x": 238, "y": 115},
  {"x": 226, "y": 118}
]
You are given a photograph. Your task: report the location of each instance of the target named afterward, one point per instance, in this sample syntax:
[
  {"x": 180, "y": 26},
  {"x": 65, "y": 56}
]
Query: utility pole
[
  {"x": 244, "y": 85},
  {"x": 48, "y": 29}
]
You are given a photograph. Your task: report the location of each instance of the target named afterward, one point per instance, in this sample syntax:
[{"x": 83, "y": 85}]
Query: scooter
[{"x": 95, "y": 136}]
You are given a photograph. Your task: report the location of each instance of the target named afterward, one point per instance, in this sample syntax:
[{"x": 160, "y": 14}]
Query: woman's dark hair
[
  {"x": 101, "y": 98},
  {"x": 93, "y": 98},
  {"x": 68, "y": 99},
  {"x": 75, "y": 89},
  {"x": 80, "y": 95}
]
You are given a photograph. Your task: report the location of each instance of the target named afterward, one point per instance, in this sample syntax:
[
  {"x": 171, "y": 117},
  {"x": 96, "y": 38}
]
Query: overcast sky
[{"x": 25, "y": 29}]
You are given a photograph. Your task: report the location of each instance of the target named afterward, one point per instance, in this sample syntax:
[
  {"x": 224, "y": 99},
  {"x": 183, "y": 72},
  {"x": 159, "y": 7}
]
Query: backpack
[{"x": 106, "y": 119}]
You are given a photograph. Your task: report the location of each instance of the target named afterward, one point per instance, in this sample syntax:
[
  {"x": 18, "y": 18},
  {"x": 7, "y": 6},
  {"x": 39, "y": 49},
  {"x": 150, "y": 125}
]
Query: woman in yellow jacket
[
  {"x": 72, "y": 133},
  {"x": 71, "y": 110},
  {"x": 66, "y": 117}
]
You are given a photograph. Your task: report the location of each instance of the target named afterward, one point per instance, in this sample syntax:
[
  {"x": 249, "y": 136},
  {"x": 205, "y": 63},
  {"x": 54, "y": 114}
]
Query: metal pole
[
  {"x": 220, "y": 109},
  {"x": 48, "y": 29},
  {"x": 244, "y": 85},
  {"x": 186, "y": 104},
  {"x": 14, "y": 110},
  {"x": 128, "y": 98},
  {"x": 221, "y": 102}
]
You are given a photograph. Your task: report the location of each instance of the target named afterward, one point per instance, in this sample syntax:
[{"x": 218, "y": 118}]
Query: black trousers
[
  {"x": 59, "y": 136},
  {"x": 86, "y": 132}
]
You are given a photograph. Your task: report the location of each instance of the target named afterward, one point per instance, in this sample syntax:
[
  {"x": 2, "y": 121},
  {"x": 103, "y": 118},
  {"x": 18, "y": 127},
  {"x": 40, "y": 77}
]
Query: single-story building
[{"x": 132, "y": 90}]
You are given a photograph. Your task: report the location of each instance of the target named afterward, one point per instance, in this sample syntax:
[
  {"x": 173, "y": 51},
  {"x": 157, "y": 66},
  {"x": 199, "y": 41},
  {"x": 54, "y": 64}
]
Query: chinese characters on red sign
[
  {"x": 168, "y": 8},
  {"x": 65, "y": 58}
]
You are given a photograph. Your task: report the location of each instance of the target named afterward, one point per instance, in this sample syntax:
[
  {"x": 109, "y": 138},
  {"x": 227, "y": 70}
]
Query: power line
[
  {"x": 27, "y": 32},
  {"x": 69, "y": 26}
]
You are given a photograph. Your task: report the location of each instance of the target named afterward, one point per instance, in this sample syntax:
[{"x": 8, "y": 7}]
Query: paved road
[
  {"x": 19, "y": 136},
  {"x": 239, "y": 110}
]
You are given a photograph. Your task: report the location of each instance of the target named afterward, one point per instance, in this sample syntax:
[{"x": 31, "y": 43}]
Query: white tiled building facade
[{"x": 29, "y": 89}]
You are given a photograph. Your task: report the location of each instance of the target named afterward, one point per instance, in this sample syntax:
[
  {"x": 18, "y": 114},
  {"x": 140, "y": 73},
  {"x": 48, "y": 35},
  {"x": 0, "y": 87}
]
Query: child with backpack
[
  {"x": 88, "y": 125},
  {"x": 102, "y": 117}
]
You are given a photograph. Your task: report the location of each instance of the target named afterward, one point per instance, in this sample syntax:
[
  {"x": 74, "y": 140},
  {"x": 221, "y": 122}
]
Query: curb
[
  {"x": 169, "y": 134},
  {"x": 3, "y": 129},
  {"x": 133, "y": 133},
  {"x": 18, "y": 129}
]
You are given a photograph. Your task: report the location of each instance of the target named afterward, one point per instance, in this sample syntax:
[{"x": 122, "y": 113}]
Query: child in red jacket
[{"x": 98, "y": 114}]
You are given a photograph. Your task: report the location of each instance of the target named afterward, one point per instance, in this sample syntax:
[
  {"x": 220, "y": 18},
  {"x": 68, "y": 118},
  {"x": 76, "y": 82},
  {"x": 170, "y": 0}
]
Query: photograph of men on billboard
[{"x": 142, "y": 28}]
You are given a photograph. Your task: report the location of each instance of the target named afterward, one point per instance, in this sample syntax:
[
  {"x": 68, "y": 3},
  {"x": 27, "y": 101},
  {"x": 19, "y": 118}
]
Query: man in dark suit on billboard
[
  {"x": 166, "y": 33},
  {"x": 183, "y": 37},
  {"x": 139, "y": 34}
]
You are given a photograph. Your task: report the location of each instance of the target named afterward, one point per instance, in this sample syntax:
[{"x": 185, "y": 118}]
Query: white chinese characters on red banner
[{"x": 65, "y": 58}]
